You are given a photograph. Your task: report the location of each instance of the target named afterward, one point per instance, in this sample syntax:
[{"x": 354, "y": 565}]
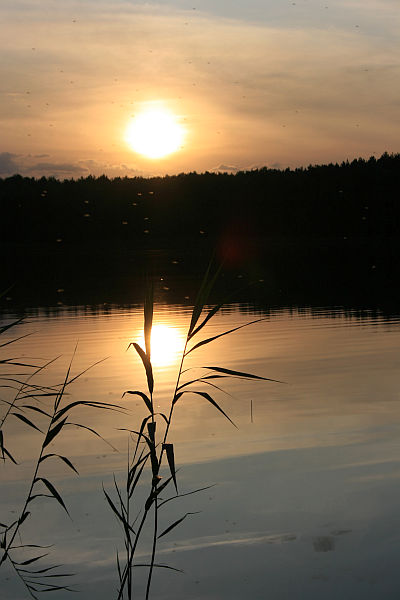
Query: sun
[
  {"x": 167, "y": 343},
  {"x": 155, "y": 133}
]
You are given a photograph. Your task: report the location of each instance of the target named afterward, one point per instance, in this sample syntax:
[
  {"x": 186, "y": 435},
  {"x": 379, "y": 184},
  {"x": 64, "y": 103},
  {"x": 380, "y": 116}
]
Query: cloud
[
  {"x": 8, "y": 164},
  {"x": 96, "y": 167},
  {"x": 226, "y": 169},
  {"x": 55, "y": 169},
  {"x": 26, "y": 166}
]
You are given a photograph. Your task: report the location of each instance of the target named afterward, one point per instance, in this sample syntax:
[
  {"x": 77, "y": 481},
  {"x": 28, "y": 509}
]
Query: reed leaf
[
  {"x": 158, "y": 565},
  {"x": 4, "y": 328},
  {"x": 4, "y": 450},
  {"x": 169, "y": 449},
  {"x": 210, "y": 314},
  {"x": 35, "y": 408},
  {"x": 151, "y": 428},
  {"x": 69, "y": 381},
  {"x": 148, "y": 317},
  {"x": 147, "y": 365},
  {"x": 15, "y": 339},
  {"x": 232, "y": 373},
  {"x": 53, "y": 491},
  {"x": 198, "y": 380},
  {"x": 92, "y": 404},
  {"x": 121, "y": 503},
  {"x": 207, "y": 487},
  {"x": 52, "y": 433},
  {"x": 33, "y": 573},
  {"x": 176, "y": 523},
  {"x": 134, "y": 481},
  {"x": 202, "y": 297},
  {"x": 208, "y": 398},
  {"x": 23, "y": 517},
  {"x": 215, "y": 337},
  {"x": 144, "y": 397},
  {"x": 31, "y": 560},
  {"x": 42, "y": 570},
  {"x": 94, "y": 432},
  {"x": 26, "y": 420},
  {"x": 63, "y": 458},
  {"x": 55, "y": 588},
  {"x": 114, "y": 508},
  {"x": 31, "y": 546},
  {"x": 32, "y": 497}
]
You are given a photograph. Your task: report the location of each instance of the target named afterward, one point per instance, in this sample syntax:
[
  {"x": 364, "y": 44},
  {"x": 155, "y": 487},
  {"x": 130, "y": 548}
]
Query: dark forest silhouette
[
  {"x": 322, "y": 228},
  {"x": 358, "y": 198}
]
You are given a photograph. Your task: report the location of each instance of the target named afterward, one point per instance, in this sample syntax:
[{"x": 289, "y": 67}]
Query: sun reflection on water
[{"x": 167, "y": 343}]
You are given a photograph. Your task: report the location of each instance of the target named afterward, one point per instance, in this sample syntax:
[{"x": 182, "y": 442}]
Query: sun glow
[
  {"x": 167, "y": 344},
  {"x": 155, "y": 133}
]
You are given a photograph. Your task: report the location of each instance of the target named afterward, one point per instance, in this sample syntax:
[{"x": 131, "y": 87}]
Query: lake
[{"x": 305, "y": 491}]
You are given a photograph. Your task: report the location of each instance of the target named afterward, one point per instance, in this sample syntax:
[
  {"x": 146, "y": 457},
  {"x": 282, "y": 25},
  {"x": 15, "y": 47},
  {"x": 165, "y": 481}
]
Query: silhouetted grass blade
[
  {"x": 23, "y": 517},
  {"x": 169, "y": 449},
  {"x": 209, "y": 398},
  {"x": 158, "y": 565},
  {"x": 32, "y": 497},
  {"x": 147, "y": 365},
  {"x": 53, "y": 491},
  {"x": 7, "y": 453},
  {"x": 143, "y": 396},
  {"x": 198, "y": 305},
  {"x": 31, "y": 560},
  {"x": 4, "y": 328},
  {"x": 64, "y": 458},
  {"x": 94, "y": 432},
  {"x": 119, "y": 568},
  {"x": 121, "y": 503},
  {"x": 51, "y": 434},
  {"x": 132, "y": 486},
  {"x": 14, "y": 340},
  {"x": 113, "y": 507},
  {"x": 197, "y": 380},
  {"x": 168, "y": 529},
  {"x": 207, "y": 487},
  {"x": 92, "y": 404},
  {"x": 35, "y": 408},
  {"x": 232, "y": 373},
  {"x": 202, "y": 296},
  {"x": 45, "y": 570},
  {"x": 211, "y": 313},
  {"x": 215, "y": 337},
  {"x": 4, "y": 451},
  {"x": 27, "y": 421},
  {"x": 151, "y": 428},
  {"x": 148, "y": 317}
]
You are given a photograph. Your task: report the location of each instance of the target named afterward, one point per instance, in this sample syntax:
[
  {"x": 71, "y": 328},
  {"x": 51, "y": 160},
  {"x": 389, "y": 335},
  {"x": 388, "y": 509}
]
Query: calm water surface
[{"x": 307, "y": 487}]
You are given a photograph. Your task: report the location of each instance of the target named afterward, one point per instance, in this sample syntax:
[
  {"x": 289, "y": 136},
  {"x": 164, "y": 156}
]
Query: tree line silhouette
[
  {"x": 351, "y": 199},
  {"x": 321, "y": 235}
]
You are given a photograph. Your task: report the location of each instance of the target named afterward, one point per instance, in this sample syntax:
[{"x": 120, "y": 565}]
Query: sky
[{"x": 252, "y": 83}]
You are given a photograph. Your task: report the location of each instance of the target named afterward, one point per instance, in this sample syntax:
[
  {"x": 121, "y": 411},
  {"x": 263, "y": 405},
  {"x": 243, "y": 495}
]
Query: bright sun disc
[
  {"x": 154, "y": 133},
  {"x": 166, "y": 345}
]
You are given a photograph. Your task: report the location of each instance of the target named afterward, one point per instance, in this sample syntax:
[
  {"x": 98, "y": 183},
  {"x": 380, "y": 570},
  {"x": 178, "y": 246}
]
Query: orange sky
[{"x": 273, "y": 83}]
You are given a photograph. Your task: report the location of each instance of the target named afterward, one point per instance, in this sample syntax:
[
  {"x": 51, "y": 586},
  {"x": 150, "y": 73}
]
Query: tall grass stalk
[
  {"x": 56, "y": 420},
  {"x": 152, "y": 450}
]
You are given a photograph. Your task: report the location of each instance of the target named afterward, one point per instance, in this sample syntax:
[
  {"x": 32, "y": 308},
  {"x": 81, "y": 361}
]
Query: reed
[
  {"x": 50, "y": 424},
  {"x": 151, "y": 448}
]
